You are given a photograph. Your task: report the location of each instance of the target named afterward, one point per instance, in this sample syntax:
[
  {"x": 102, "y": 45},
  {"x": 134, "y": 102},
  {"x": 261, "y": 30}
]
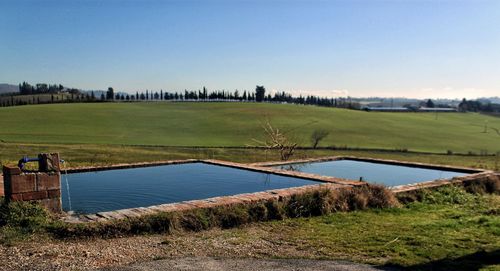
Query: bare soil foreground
[
  {"x": 158, "y": 252},
  {"x": 221, "y": 264}
]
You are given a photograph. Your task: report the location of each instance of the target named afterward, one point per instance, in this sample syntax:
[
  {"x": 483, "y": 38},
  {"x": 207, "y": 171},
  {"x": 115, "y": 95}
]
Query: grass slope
[
  {"x": 94, "y": 154},
  {"x": 235, "y": 124},
  {"x": 450, "y": 230}
]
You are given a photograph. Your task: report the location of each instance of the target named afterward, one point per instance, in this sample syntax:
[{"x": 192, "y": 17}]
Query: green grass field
[
  {"x": 236, "y": 124},
  {"x": 96, "y": 155},
  {"x": 450, "y": 230}
]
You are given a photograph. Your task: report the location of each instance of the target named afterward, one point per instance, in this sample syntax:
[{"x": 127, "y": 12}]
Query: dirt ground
[
  {"x": 224, "y": 264},
  {"x": 150, "y": 252}
]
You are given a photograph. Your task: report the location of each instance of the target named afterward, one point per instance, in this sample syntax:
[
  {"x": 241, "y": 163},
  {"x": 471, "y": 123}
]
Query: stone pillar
[{"x": 42, "y": 186}]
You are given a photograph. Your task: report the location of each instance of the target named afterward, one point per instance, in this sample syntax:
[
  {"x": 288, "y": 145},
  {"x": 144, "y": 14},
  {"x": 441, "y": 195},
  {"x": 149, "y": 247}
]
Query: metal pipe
[{"x": 25, "y": 160}]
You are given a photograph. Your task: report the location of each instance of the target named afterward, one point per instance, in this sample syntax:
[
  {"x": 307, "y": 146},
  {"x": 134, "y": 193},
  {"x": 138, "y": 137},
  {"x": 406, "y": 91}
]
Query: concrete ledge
[
  {"x": 286, "y": 173},
  {"x": 128, "y": 165},
  {"x": 441, "y": 182}
]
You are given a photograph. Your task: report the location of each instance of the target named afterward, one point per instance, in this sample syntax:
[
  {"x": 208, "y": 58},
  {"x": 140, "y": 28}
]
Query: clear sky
[{"x": 423, "y": 49}]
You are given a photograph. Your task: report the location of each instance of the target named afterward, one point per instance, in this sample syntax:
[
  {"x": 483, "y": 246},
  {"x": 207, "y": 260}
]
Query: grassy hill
[{"x": 235, "y": 124}]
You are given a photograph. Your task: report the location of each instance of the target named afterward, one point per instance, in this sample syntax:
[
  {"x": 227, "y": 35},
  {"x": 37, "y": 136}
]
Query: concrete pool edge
[{"x": 127, "y": 165}]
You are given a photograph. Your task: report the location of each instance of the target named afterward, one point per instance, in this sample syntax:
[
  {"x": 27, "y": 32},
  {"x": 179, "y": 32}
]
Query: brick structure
[{"x": 42, "y": 186}]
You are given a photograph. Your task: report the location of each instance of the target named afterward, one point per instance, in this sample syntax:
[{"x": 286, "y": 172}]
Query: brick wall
[{"x": 43, "y": 187}]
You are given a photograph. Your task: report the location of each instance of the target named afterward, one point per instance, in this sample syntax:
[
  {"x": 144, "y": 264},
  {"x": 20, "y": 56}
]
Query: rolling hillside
[{"x": 236, "y": 124}]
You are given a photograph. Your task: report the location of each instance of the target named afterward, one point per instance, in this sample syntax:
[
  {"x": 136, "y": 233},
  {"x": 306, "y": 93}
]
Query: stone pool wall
[
  {"x": 129, "y": 165},
  {"x": 43, "y": 186}
]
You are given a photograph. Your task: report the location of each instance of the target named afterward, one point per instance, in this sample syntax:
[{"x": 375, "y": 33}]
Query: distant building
[
  {"x": 436, "y": 109},
  {"x": 406, "y": 109},
  {"x": 386, "y": 109}
]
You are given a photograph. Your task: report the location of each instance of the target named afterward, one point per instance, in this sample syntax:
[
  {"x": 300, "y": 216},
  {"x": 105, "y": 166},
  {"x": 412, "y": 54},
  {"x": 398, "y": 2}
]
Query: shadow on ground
[{"x": 470, "y": 262}]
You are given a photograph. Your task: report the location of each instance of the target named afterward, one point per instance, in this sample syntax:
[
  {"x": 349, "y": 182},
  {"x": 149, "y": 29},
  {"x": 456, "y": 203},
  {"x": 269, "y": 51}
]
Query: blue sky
[{"x": 423, "y": 49}]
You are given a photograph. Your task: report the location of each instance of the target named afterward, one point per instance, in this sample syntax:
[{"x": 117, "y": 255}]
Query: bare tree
[
  {"x": 317, "y": 136},
  {"x": 276, "y": 140}
]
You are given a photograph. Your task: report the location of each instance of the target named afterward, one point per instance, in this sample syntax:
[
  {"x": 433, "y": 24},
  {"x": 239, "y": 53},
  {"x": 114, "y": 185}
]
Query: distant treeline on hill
[
  {"x": 42, "y": 88},
  {"x": 477, "y": 106},
  {"x": 46, "y": 93},
  {"x": 42, "y": 93},
  {"x": 235, "y": 96}
]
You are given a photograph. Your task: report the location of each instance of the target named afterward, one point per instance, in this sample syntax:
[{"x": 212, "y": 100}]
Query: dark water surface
[
  {"x": 389, "y": 175},
  {"x": 92, "y": 192}
]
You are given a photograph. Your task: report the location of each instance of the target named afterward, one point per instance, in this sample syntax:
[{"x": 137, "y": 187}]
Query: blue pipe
[{"x": 25, "y": 160}]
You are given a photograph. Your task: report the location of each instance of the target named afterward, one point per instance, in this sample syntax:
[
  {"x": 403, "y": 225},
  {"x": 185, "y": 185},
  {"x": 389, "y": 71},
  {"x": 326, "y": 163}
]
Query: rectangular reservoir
[
  {"x": 107, "y": 190},
  {"x": 373, "y": 172}
]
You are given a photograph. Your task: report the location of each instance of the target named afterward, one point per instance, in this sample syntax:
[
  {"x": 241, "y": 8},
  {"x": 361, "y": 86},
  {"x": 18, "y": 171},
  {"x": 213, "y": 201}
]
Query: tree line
[
  {"x": 477, "y": 106},
  {"x": 246, "y": 96},
  {"x": 43, "y": 88},
  {"x": 57, "y": 93}
]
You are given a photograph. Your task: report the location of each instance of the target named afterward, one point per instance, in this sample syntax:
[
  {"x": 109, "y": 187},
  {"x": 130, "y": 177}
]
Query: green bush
[
  {"x": 232, "y": 216},
  {"x": 196, "y": 220},
  {"x": 275, "y": 210},
  {"x": 486, "y": 185},
  {"x": 18, "y": 220},
  {"x": 449, "y": 194},
  {"x": 258, "y": 212},
  {"x": 27, "y": 216},
  {"x": 309, "y": 204}
]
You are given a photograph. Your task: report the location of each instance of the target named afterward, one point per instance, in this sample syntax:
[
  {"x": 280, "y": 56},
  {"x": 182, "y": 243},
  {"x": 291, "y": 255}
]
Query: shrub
[
  {"x": 232, "y": 216},
  {"x": 27, "y": 216},
  {"x": 275, "y": 210},
  {"x": 486, "y": 185},
  {"x": 309, "y": 204},
  {"x": 449, "y": 194},
  {"x": 258, "y": 212},
  {"x": 363, "y": 197},
  {"x": 196, "y": 220},
  {"x": 410, "y": 196},
  {"x": 381, "y": 197}
]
